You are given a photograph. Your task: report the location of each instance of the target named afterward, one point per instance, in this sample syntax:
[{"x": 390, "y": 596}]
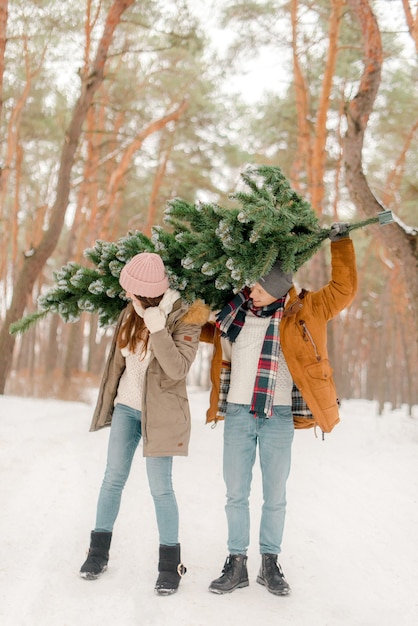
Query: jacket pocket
[
  {"x": 169, "y": 384},
  {"x": 178, "y": 403},
  {"x": 321, "y": 370},
  {"x": 322, "y": 384},
  {"x": 183, "y": 404}
]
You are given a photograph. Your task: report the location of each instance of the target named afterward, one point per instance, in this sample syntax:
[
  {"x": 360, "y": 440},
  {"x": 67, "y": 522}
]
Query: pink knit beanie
[{"x": 144, "y": 275}]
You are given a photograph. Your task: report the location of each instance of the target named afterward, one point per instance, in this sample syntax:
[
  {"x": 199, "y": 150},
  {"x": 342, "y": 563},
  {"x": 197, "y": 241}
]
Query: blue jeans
[
  {"x": 274, "y": 435},
  {"x": 125, "y": 435}
]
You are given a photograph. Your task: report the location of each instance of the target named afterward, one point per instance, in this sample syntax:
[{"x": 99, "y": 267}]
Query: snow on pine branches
[{"x": 210, "y": 252}]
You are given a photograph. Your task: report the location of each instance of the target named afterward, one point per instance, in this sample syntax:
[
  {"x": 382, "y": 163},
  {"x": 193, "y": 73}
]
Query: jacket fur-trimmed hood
[{"x": 198, "y": 313}]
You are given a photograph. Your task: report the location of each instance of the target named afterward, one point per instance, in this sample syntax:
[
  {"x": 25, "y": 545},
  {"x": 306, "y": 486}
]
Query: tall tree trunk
[
  {"x": 394, "y": 179},
  {"x": 303, "y": 157},
  {"x": 319, "y": 139},
  {"x": 14, "y": 156},
  {"x": 412, "y": 21},
  {"x": 3, "y": 23},
  {"x": 35, "y": 259},
  {"x": 399, "y": 239},
  {"x": 165, "y": 151},
  {"x": 312, "y": 137}
]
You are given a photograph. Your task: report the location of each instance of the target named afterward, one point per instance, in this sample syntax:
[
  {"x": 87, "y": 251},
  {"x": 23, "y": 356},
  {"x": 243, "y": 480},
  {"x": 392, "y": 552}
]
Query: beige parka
[{"x": 165, "y": 408}]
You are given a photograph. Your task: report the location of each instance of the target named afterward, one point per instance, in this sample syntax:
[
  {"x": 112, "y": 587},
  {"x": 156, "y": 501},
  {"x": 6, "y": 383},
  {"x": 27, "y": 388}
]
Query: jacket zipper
[{"x": 307, "y": 335}]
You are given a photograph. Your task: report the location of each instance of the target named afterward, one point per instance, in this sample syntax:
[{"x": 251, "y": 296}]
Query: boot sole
[
  {"x": 164, "y": 592},
  {"x": 282, "y": 592},
  {"x": 222, "y": 592},
  {"x": 91, "y": 576}
]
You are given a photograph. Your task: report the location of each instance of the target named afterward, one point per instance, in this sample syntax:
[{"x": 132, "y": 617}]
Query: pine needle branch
[{"x": 25, "y": 323}]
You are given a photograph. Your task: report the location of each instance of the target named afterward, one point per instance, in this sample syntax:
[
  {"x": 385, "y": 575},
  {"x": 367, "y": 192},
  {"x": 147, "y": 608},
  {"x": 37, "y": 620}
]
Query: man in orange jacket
[{"x": 270, "y": 373}]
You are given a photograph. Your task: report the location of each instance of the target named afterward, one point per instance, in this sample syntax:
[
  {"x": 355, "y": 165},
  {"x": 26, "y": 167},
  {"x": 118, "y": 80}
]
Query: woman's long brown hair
[{"x": 133, "y": 330}]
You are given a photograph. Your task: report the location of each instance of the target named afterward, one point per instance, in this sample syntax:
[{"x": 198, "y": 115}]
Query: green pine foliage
[
  {"x": 197, "y": 259},
  {"x": 210, "y": 252},
  {"x": 280, "y": 223}
]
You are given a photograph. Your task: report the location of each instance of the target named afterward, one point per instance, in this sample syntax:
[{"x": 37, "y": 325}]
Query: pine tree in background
[{"x": 210, "y": 252}]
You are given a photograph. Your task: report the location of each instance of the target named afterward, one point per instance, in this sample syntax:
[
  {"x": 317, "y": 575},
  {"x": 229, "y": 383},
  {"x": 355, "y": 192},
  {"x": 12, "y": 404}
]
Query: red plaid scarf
[{"x": 231, "y": 320}]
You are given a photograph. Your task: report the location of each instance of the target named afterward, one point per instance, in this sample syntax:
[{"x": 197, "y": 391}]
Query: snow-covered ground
[{"x": 350, "y": 549}]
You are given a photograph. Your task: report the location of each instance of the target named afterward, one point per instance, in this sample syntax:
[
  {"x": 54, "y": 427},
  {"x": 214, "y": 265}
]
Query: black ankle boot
[
  {"x": 97, "y": 557},
  {"x": 271, "y": 575},
  {"x": 170, "y": 570},
  {"x": 234, "y": 575}
]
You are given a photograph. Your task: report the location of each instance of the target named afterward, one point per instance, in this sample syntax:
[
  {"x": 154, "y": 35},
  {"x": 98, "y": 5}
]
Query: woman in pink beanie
[{"x": 143, "y": 395}]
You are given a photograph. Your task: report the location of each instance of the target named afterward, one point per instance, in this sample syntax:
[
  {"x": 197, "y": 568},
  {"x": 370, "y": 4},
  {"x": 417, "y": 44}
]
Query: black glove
[{"x": 338, "y": 231}]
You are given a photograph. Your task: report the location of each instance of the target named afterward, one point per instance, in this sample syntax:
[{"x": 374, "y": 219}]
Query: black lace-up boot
[
  {"x": 97, "y": 557},
  {"x": 170, "y": 570},
  {"x": 271, "y": 575},
  {"x": 234, "y": 575}
]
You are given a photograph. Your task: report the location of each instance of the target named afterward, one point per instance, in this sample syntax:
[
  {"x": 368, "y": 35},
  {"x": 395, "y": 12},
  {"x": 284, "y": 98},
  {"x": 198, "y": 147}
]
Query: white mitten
[
  {"x": 139, "y": 309},
  {"x": 154, "y": 319}
]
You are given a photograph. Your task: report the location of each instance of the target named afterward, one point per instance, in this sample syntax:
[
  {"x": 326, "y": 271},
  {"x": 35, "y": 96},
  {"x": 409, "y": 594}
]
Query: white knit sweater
[
  {"x": 131, "y": 384},
  {"x": 244, "y": 354}
]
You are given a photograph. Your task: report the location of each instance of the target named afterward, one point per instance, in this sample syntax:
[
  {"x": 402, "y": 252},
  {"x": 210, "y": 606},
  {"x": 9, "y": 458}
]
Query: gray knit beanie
[{"x": 277, "y": 283}]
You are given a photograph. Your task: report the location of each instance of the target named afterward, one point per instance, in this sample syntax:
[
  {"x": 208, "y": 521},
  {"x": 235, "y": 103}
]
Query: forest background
[{"x": 112, "y": 108}]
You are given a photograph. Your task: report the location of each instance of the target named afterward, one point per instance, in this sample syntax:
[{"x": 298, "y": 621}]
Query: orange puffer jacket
[{"x": 303, "y": 337}]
